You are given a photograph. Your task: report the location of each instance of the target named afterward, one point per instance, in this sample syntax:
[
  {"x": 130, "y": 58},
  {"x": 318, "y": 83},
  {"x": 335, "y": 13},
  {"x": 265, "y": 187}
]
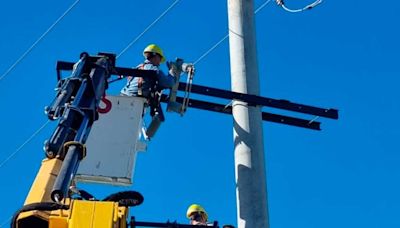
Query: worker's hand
[{"x": 175, "y": 68}]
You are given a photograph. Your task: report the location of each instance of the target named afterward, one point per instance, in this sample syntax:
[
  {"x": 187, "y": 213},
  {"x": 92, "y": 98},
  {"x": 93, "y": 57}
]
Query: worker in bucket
[
  {"x": 144, "y": 87},
  {"x": 138, "y": 86},
  {"x": 197, "y": 215}
]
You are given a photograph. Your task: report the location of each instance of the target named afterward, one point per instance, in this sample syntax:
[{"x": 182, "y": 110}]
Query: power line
[
  {"x": 148, "y": 27},
  {"x": 227, "y": 35},
  {"x": 6, "y": 221},
  {"x": 211, "y": 49},
  {"x": 38, "y": 40},
  {"x": 23, "y": 144},
  {"x": 262, "y": 6},
  {"x": 307, "y": 7}
]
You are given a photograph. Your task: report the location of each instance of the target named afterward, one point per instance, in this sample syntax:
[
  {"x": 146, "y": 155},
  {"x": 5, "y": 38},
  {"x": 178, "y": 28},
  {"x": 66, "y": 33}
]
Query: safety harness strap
[{"x": 140, "y": 80}]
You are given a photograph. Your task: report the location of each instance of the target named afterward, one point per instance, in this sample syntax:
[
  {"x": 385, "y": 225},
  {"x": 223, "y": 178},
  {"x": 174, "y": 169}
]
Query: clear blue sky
[{"x": 342, "y": 54}]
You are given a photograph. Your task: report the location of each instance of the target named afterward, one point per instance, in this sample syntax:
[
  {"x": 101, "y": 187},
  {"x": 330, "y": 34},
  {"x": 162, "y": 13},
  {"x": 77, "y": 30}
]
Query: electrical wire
[
  {"x": 211, "y": 49},
  {"x": 148, "y": 27},
  {"x": 307, "y": 7},
  {"x": 38, "y": 40},
  {"x": 6, "y": 221},
  {"x": 23, "y": 144},
  {"x": 227, "y": 35},
  {"x": 15, "y": 152},
  {"x": 262, "y": 6}
]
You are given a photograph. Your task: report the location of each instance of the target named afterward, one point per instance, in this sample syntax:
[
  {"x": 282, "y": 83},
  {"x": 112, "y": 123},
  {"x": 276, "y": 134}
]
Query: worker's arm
[{"x": 164, "y": 80}]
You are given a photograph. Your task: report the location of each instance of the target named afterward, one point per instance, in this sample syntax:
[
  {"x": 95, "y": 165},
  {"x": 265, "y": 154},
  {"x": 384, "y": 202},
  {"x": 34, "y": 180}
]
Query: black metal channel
[
  {"x": 258, "y": 100},
  {"x": 61, "y": 65},
  {"x": 133, "y": 223},
  {"x": 214, "y": 107},
  {"x": 167, "y": 225}
]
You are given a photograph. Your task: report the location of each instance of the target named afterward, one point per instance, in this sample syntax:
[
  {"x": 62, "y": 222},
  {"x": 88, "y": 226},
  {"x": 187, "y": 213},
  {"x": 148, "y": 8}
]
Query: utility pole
[{"x": 251, "y": 188}]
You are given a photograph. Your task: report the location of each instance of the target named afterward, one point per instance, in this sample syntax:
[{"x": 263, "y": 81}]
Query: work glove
[{"x": 175, "y": 68}]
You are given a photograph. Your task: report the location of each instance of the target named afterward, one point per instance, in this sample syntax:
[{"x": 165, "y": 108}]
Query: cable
[
  {"x": 262, "y": 6},
  {"x": 126, "y": 198},
  {"x": 307, "y": 7},
  {"x": 6, "y": 221},
  {"x": 211, "y": 49},
  {"x": 148, "y": 27},
  {"x": 227, "y": 35},
  {"x": 23, "y": 144},
  {"x": 42, "y": 206},
  {"x": 38, "y": 40}
]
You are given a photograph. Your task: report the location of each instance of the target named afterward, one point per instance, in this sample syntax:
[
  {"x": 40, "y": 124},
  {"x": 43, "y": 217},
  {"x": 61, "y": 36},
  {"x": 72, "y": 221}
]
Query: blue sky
[{"x": 342, "y": 54}]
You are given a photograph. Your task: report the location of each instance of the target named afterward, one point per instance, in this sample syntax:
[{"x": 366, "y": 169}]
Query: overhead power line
[
  {"x": 307, "y": 7},
  {"x": 23, "y": 144},
  {"x": 38, "y": 40},
  {"x": 148, "y": 27},
  {"x": 262, "y": 6},
  {"x": 211, "y": 49},
  {"x": 6, "y": 222}
]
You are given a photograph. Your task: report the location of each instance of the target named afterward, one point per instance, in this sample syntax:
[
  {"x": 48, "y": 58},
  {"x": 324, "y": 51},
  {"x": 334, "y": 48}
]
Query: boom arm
[{"x": 76, "y": 105}]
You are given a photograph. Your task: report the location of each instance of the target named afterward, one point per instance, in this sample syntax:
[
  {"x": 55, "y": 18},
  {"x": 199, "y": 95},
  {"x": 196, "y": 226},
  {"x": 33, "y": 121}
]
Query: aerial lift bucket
[{"x": 113, "y": 143}]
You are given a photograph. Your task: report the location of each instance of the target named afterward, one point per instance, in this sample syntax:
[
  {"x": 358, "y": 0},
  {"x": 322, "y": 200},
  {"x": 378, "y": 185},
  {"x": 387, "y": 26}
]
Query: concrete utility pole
[{"x": 251, "y": 188}]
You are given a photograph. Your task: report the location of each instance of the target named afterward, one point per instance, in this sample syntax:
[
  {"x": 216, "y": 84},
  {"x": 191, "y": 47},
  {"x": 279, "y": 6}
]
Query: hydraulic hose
[{"x": 46, "y": 206}]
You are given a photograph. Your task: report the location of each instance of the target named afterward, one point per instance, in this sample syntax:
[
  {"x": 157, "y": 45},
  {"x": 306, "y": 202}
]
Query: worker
[
  {"x": 197, "y": 215},
  {"x": 138, "y": 86},
  {"x": 150, "y": 87}
]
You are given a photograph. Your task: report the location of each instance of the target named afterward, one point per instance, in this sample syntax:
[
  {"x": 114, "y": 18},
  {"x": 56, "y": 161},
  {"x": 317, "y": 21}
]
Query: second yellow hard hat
[{"x": 196, "y": 208}]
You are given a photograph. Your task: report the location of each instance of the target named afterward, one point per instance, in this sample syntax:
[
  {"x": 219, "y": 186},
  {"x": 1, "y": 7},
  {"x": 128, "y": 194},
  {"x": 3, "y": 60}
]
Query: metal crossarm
[
  {"x": 168, "y": 225},
  {"x": 67, "y": 66},
  {"x": 214, "y": 107},
  {"x": 258, "y": 100},
  {"x": 252, "y": 100}
]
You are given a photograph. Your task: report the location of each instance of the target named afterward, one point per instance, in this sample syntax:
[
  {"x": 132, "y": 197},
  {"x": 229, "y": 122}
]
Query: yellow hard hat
[
  {"x": 154, "y": 49},
  {"x": 196, "y": 208}
]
